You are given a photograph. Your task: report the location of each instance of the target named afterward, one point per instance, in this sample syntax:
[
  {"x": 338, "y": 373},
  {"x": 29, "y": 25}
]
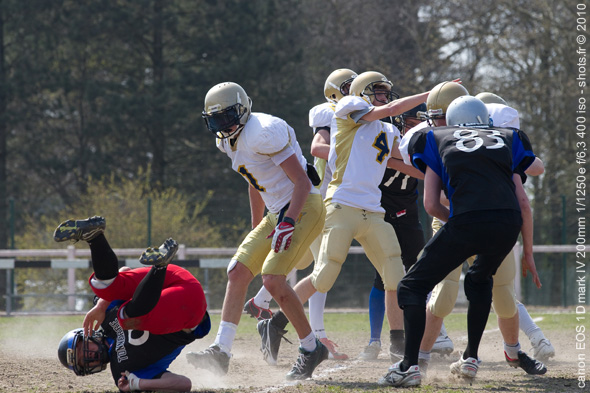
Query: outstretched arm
[{"x": 395, "y": 108}]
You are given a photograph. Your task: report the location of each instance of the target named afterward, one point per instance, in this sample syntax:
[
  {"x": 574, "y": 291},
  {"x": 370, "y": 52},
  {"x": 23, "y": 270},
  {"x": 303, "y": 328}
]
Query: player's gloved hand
[{"x": 282, "y": 235}]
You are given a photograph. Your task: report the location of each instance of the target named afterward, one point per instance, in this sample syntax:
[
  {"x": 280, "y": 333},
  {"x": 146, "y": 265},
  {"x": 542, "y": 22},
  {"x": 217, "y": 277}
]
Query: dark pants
[
  {"x": 490, "y": 235},
  {"x": 410, "y": 236}
]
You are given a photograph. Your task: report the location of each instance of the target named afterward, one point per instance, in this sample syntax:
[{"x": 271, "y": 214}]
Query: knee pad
[
  {"x": 480, "y": 291},
  {"x": 504, "y": 301},
  {"x": 323, "y": 277},
  {"x": 444, "y": 297}
]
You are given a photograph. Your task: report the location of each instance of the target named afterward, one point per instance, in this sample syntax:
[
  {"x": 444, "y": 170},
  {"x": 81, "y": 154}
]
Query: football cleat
[
  {"x": 271, "y": 340},
  {"x": 466, "y": 368},
  {"x": 161, "y": 256},
  {"x": 307, "y": 362},
  {"x": 542, "y": 348},
  {"x": 332, "y": 352},
  {"x": 211, "y": 359},
  {"x": 371, "y": 351},
  {"x": 398, "y": 378},
  {"x": 443, "y": 345},
  {"x": 257, "y": 312},
  {"x": 528, "y": 364},
  {"x": 77, "y": 230}
]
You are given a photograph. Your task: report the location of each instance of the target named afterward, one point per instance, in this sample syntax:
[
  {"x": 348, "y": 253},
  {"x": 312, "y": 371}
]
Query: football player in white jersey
[
  {"x": 361, "y": 146},
  {"x": 445, "y": 293},
  {"x": 337, "y": 85},
  {"x": 264, "y": 150}
]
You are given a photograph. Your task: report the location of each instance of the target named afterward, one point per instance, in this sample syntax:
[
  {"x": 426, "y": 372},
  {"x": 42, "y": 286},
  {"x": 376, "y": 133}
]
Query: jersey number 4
[
  {"x": 475, "y": 142},
  {"x": 382, "y": 146}
]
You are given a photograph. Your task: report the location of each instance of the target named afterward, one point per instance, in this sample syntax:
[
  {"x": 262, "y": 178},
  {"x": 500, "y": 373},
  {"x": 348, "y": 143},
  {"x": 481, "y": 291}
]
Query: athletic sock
[
  {"x": 512, "y": 350},
  {"x": 308, "y": 343},
  {"x": 525, "y": 322},
  {"x": 376, "y": 313},
  {"x": 147, "y": 294},
  {"x": 279, "y": 320},
  {"x": 317, "y": 303},
  {"x": 103, "y": 258},
  {"x": 263, "y": 298},
  {"x": 225, "y": 336},
  {"x": 414, "y": 321}
]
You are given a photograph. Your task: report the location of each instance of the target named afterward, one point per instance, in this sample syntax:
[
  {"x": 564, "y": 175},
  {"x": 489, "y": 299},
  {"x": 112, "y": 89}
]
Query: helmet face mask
[
  {"x": 93, "y": 360},
  {"x": 372, "y": 86},
  {"x": 226, "y": 105},
  {"x": 220, "y": 121},
  {"x": 378, "y": 89}
]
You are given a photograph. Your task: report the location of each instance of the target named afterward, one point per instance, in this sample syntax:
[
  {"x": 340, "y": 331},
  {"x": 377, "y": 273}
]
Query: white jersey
[
  {"x": 503, "y": 116},
  {"x": 262, "y": 145},
  {"x": 321, "y": 116},
  {"x": 403, "y": 145},
  {"x": 358, "y": 155}
]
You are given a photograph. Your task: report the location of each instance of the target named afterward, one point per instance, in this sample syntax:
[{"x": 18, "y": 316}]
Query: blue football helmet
[{"x": 68, "y": 355}]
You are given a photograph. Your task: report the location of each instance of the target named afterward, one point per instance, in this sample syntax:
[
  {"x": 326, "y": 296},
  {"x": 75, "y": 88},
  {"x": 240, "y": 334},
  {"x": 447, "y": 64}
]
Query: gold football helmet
[
  {"x": 366, "y": 83},
  {"x": 338, "y": 84},
  {"x": 226, "y": 105},
  {"x": 441, "y": 96},
  {"x": 491, "y": 98}
]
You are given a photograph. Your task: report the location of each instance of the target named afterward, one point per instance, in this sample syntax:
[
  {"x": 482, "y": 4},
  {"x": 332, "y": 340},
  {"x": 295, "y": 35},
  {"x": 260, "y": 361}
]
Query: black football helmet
[
  {"x": 68, "y": 356},
  {"x": 418, "y": 112}
]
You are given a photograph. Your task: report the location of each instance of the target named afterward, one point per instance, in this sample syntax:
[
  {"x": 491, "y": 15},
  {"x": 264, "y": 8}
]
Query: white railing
[{"x": 71, "y": 258}]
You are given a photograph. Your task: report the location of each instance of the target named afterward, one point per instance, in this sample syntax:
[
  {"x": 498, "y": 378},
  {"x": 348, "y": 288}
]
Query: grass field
[{"x": 30, "y": 344}]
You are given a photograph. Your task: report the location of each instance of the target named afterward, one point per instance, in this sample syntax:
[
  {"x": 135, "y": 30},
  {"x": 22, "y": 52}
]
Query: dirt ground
[{"x": 32, "y": 366}]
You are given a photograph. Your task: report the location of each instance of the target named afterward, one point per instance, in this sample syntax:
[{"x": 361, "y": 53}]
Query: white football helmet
[
  {"x": 226, "y": 105},
  {"x": 467, "y": 110},
  {"x": 368, "y": 82},
  {"x": 338, "y": 84}
]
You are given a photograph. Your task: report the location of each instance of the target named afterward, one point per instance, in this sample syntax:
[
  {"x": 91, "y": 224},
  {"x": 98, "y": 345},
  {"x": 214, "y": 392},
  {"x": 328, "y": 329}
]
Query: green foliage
[{"x": 124, "y": 203}]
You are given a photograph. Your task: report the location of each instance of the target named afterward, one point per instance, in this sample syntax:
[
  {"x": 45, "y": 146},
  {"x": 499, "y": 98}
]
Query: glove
[
  {"x": 133, "y": 381},
  {"x": 282, "y": 235}
]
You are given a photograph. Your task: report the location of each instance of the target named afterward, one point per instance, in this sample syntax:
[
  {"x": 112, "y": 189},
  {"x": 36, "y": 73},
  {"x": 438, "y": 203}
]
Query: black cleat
[
  {"x": 160, "y": 256},
  {"x": 527, "y": 363},
  {"x": 308, "y": 361},
  {"x": 271, "y": 340},
  {"x": 77, "y": 230},
  {"x": 211, "y": 359}
]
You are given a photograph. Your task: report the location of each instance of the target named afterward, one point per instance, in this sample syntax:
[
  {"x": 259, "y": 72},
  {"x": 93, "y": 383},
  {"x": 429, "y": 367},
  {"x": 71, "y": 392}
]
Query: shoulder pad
[
  {"x": 271, "y": 138},
  {"x": 321, "y": 115}
]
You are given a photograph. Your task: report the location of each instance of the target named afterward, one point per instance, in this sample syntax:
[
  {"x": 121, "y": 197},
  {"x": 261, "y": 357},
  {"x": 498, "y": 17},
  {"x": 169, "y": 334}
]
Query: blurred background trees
[{"x": 102, "y": 99}]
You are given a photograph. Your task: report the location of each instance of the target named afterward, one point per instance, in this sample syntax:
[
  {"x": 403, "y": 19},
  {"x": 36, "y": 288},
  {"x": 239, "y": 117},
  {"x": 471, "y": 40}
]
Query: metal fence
[{"x": 72, "y": 258}]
